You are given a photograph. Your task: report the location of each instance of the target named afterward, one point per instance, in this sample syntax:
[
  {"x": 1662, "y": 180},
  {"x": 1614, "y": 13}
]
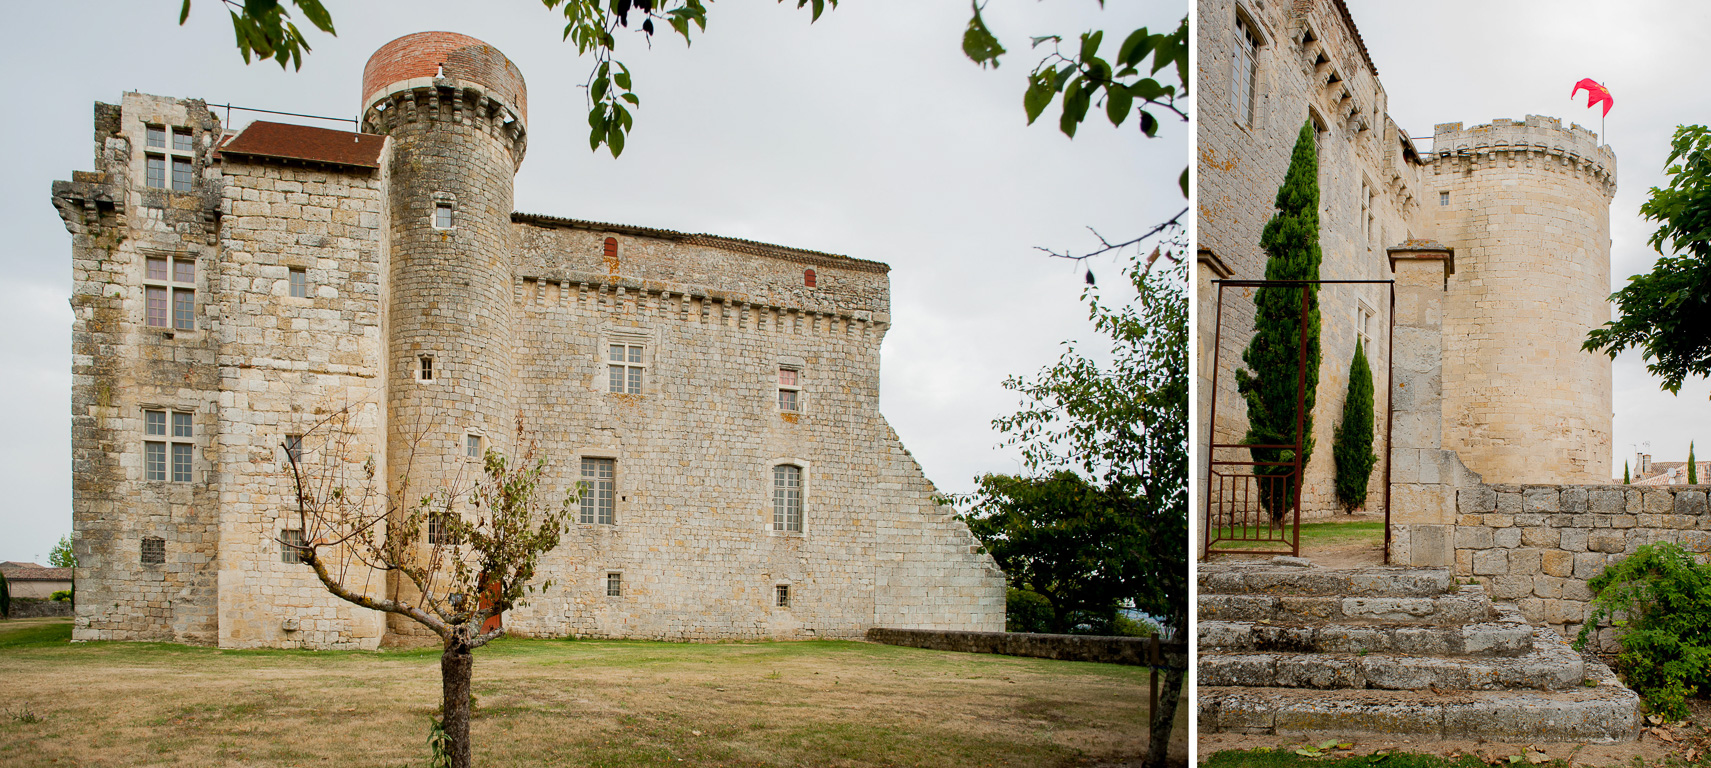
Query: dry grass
[{"x": 554, "y": 702}]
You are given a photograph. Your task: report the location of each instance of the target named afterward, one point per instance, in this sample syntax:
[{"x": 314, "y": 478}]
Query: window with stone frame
[
  {"x": 599, "y": 488},
  {"x": 290, "y": 546},
  {"x": 299, "y": 280},
  {"x": 781, "y": 596},
  {"x": 169, "y": 292},
  {"x": 472, "y": 446},
  {"x": 172, "y": 455},
  {"x": 790, "y": 389},
  {"x": 425, "y": 368},
  {"x": 442, "y": 216},
  {"x": 614, "y": 584},
  {"x": 1244, "y": 71},
  {"x": 169, "y": 149},
  {"x": 1365, "y": 322},
  {"x": 624, "y": 368},
  {"x": 293, "y": 450},
  {"x": 440, "y": 533},
  {"x": 153, "y": 550},
  {"x": 787, "y": 498}
]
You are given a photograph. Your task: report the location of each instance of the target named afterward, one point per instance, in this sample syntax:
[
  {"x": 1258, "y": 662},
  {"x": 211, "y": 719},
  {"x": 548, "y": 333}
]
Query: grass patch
[
  {"x": 1312, "y": 534},
  {"x": 568, "y": 702}
]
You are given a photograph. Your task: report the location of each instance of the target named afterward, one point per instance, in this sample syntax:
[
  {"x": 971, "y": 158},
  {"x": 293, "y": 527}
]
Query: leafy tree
[
  {"x": 1083, "y": 79},
  {"x": 1027, "y": 611},
  {"x": 479, "y": 569},
  {"x": 1353, "y": 448},
  {"x": 1666, "y": 313},
  {"x": 1108, "y": 449},
  {"x": 1269, "y": 384},
  {"x": 62, "y": 555},
  {"x": 1692, "y": 466}
]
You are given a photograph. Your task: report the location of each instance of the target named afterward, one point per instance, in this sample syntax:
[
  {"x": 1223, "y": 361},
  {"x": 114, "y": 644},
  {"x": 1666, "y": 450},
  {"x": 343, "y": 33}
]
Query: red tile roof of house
[
  {"x": 33, "y": 572},
  {"x": 308, "y": 144}
]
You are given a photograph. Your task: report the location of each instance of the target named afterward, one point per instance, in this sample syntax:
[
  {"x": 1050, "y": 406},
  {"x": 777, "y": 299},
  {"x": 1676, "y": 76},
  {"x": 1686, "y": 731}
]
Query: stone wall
[
  {"x": 1538, "y": 545},
  {"x": 1136, "y": 651},
  {"x": 35, "y": 608}
]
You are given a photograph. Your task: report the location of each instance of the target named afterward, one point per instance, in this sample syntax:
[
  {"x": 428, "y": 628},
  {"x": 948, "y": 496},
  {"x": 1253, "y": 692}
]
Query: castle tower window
[
  {"x": 294, "y": 449},
  {"x": 170, "y": 280},
  {"x": 425, "y": 368},
  {"x": 1244, "y": 71},
  {"x": 439, "y": 533},
  {"x": 442, "y": 216},
  {"x": 790, "y": 390},
  {"x": 179, "y": 444},
  {"x": 180, "y": 156},
  {"x": 625, "y": 368},
  {"x": 611, "y": 248},
  {"x": 290, "y": 541},
  {"x": 472, "y": 446},
  {"x": 598, "y": 486},
  {"x": 299, "y": 279},
  {"x": 787, "y": 498},
  {"x": 1443, "y": 198},
  {"x": 614, "y": 585},
  {"x": 781, "y": 596},
  {"x": 809, "y": 278},
  {"x": 153, "y": 549}
]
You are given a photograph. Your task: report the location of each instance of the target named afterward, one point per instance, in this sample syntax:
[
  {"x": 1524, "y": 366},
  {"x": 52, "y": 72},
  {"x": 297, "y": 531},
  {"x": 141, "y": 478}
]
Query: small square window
[
  {"x": 472, "y": 446},
  {"x": 442, "y": 216},
  {"x": 154, "y": 549},
  {"x": 624, "y": 375},
  {"x": 181, "y": 425},
  {"x": 1443, "y": 198},
  {"x": 614, "y": 585},
  {"x": 289, "y": 541},
  {"x": 299, "y": 283},
  {"x": 157, "y": 269},
  {"x": 156, "y": 137},
  {"x": 181, "y": 140},
  {"x": 154, "y": 423},
  {"x": 183, "y": 271},
  {"x": 781, "y": 597}
]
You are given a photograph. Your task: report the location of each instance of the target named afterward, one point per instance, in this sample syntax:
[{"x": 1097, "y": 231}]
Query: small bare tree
[{"x": 488, "y": 536}]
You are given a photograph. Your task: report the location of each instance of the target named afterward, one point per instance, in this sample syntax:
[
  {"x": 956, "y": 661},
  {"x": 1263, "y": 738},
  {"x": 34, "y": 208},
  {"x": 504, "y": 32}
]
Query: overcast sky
[
  {"x": 1470, "y": 61},
  {"x": 866, "y": 134}
]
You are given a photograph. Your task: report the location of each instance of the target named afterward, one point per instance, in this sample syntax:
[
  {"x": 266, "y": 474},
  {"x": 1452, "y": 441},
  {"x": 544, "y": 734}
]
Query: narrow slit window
[{"x": 294, "y": 448}]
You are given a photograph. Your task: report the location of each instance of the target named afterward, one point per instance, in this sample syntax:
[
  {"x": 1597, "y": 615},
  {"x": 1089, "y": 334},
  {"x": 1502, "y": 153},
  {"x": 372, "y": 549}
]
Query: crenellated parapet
[
  {"x": 448, "y": 100},
  {"x": 1538, "y": 142}
]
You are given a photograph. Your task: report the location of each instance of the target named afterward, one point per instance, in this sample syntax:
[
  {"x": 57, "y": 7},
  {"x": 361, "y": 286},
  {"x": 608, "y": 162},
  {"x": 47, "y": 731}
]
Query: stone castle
[
  {"x": 1520, "y": 208},
  {"x": 720, "y": 397}
]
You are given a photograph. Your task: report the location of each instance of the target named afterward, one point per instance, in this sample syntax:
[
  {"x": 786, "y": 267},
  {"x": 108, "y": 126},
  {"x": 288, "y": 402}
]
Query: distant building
[{"x": 35, "y": 580}]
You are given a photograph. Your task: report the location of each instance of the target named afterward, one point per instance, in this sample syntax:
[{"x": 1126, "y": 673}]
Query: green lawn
[
  {"x": 1312, "y": 534},
  {"x": 562, "y": 702}
]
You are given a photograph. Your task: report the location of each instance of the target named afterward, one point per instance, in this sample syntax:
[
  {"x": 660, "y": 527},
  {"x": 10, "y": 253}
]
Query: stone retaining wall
[
  {"x": 33, "y": 608},
  {"x": 1538, "y": 545},
  {"x": 1108, "y": 650}
]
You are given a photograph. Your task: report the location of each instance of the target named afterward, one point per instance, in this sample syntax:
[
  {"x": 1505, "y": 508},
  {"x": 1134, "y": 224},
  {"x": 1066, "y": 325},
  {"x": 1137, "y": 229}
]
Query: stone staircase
[{"x": 1288, "y": 648}]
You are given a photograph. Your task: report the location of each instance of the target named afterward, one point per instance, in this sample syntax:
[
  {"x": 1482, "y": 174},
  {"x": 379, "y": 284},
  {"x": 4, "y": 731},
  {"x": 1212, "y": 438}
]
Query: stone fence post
[{"x": 1423, "y": 476}]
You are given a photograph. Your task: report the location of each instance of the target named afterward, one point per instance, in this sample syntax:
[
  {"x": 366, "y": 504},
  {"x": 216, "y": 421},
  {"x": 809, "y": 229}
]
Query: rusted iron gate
[{"x": 1234, "y": 515}]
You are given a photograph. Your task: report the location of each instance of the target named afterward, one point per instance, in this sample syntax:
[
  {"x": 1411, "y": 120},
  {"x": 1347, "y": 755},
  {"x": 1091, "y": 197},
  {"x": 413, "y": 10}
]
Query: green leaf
[
  {"x": 1135, "y": 48},
  {"x": 630, "y": 97},
  {"x": 1149, "y": 124},
  {"x": 1038, "y": 97},
  {"x": 317, "y": 15},
  {"x": 978, "y": 43},
  {"x": 1090, "y": 43},
  {"x": 184, "y": 13},
  {"x": 623, "y": 80},
  {"x": 615, "y": 139},
  {"x": 598, "y": 90},
  {"x": 1037, "y": 40},
  {"x": 1148, "y": 89},
  {"x": 1117, "y": 104}
]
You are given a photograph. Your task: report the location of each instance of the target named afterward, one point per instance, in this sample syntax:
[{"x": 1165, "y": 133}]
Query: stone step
[
  {"x": 1468, "y": 605},
  {"x": 1498, "y": 638},
  {"x": 1604, "y": 712},
  {"x": 1270, "y": 579},
  {"x": 1550, "y": 666}
]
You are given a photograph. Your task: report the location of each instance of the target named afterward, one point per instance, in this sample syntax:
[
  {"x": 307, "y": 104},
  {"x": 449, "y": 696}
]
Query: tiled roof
[
  {"x": 33, "y": 572},
  {"x": 308, "y": 144},
  {"x": 750, "y": 247}
]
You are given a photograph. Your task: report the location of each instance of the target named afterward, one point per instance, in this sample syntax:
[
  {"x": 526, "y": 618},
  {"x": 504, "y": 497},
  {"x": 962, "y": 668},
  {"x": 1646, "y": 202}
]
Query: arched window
[{"x": 787, "y": 498}]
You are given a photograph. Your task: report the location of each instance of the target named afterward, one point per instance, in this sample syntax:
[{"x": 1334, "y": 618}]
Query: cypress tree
[
  {"x": 1625, "y": 478},
  {"x": 1692, "y": 466},
  {"x": 1291, "y": 243},
  {"x": 1353, "y": 448},
  {"x": 5, "y": 598}
]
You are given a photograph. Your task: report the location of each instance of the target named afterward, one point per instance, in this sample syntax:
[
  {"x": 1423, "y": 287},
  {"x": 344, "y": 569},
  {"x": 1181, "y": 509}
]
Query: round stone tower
[
  {"x": 1526, "y": 206},
  {"x": 456, "y": 109}
]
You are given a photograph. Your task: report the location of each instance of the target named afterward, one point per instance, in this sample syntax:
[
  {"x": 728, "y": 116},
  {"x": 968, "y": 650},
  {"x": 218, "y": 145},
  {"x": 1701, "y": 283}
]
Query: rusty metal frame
[{"x": 1290, "y": 530}]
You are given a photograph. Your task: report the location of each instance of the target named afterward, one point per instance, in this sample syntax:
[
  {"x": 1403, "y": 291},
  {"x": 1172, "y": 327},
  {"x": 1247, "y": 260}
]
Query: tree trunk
[
  {"x": 457, "y": 666},
  {"x": 1163, "y": 720}
]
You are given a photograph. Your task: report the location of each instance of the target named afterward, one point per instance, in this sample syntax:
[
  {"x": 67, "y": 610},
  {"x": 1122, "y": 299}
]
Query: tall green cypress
[
  {"x": 5, "y": 597},
  {"x": 1291, "y": 243},
  {"x": 1625, "y": 478},
  {"x": 1692, "y": 466},
  {"x": 1353, "y": 448}
]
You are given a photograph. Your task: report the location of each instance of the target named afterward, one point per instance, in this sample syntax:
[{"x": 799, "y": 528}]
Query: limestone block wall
[
  {"x": 121, "y": 367},
  {"x": 1310, "y": 64},
  {"x": 694, "y": 452},
  {"x": 287, "y": 364},
  {"x": 1538, "y": 545},
  {"x": 1526, "y": 205}
]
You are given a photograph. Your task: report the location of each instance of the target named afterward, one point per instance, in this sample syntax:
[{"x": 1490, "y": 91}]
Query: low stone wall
[
  {"x": 1108, "y": 650},
  {"x": 1538, "y": 545},
  {"x": 33, "y": 607}
]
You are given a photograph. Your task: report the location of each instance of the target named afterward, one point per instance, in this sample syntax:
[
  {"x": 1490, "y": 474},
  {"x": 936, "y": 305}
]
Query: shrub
[
  {"x": 1353, "y": 446},
  {"x": 1123, "y": 626},
  {"x": 61, "y": 596},
  {"x": 1027, "y": 611},
  {"x": 1659, "y": 602}
]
